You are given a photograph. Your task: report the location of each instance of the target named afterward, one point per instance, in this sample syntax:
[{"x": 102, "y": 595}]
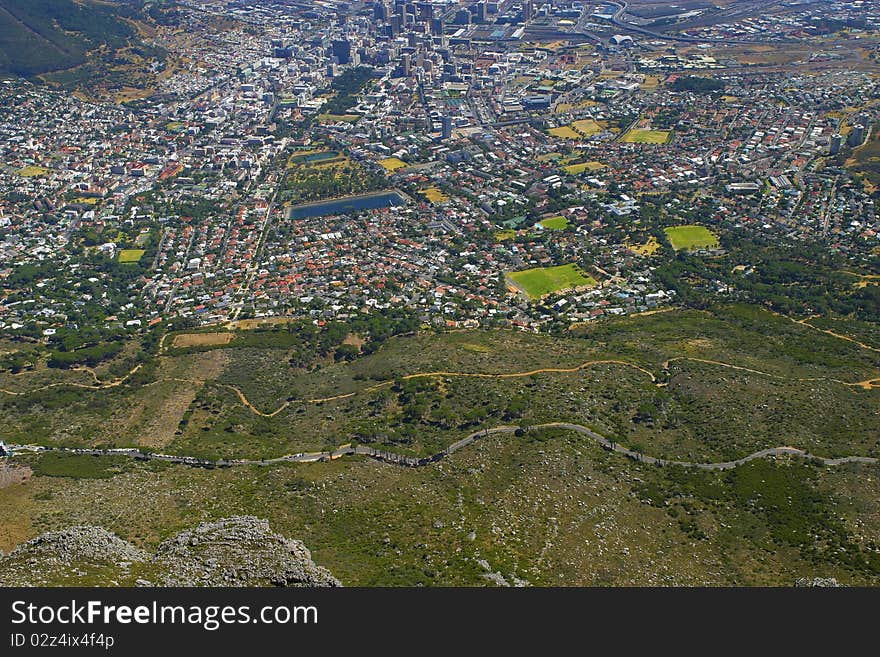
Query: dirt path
[{"x": 398, "y": 459}]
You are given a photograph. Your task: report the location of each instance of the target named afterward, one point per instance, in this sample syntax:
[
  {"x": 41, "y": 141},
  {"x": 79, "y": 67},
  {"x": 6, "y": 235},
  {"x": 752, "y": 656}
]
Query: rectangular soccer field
[
  {"x": 555, "y": 223},
  {"x": 691, "y": 237},
  {"x": 543, "y": 280},
  {"x": 636, "y": 136},
  {"x": 130, "y": 255}
]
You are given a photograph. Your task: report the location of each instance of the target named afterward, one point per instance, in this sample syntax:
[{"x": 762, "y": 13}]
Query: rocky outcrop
[
  {"x": 817, "y": 581},
  {"x": 237, "y": 551},
  {"x": 78, "y": 556}
]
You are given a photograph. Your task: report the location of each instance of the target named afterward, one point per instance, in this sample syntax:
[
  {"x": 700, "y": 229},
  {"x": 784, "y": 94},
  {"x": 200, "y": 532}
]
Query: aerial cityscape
[{"x": 439, "y": 293}]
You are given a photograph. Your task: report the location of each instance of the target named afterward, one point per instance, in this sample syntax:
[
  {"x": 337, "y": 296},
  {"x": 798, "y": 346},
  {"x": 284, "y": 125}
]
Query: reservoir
[{"x": 346, "y": 205}]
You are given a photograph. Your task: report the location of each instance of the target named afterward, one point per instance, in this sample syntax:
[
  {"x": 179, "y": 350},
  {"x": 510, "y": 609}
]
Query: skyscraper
[
  {"x": 447, "y": 127},
  {"x": 836, "y": 143},
  {"x": 341, "y": 50}
]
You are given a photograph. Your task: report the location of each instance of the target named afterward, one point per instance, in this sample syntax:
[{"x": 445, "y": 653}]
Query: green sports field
[
  {"x": 130, "y": 255},
  {"x": 543, "y": 280},
  {"x": 636, "y": 136},
  {"x": 555, "y": 223},
  {"x": 691, "y": 237}
]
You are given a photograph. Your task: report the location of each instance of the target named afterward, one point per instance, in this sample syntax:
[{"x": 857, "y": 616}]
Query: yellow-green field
[
  {"x": 691, "y": 237},
  {"x": 564, "y": 132},
  {"x": 32, "y": 172},
  {"x": 578, "y": 129},
  {"x": 91, "y": 200},
  {"x": 640, "y": 136},
  {"x": 562, "y": 108},
  {"x": 130, "y": 255},
  {"x": 434, "y": 195},
  {"x": 649, "y": 248},
  {"x": 337, "y": 118},
  {"x": 544, "y": 280},
  {"x": 587, "y": 127},
  {"x": 651, "y": 82},
  {"x": 555, "y": 223},
  {"x": 392, "y": 163},
  {"x": 575, "y": 169},
  {"x": 503, "y": 235}
]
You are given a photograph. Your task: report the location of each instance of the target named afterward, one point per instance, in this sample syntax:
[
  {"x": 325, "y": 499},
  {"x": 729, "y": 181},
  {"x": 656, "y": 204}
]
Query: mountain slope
[{"x": 38, "y": 36}]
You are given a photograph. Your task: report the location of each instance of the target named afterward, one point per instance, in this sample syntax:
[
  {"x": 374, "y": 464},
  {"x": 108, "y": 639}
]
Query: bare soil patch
[{"x": 201, "y": 340}]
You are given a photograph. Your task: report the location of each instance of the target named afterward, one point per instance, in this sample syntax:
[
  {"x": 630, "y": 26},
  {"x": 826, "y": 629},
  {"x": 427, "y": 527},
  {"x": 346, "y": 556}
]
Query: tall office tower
[
  {"x": 857, "y": 136},
  {"x": 462, "y": 17},
  {"x": 836, "y": 143},
  {"x": 447, "y": 127},
  {"x": 395, "y": 25},
  {"x": 481, "y": 8},
  {"x": 528, "y": 10},
  {"x": 436, "y": 27},
  {"x": 341, "y": 50},
  {"x": 405, "y": 64},
  {"x": 380, "y": 11}
]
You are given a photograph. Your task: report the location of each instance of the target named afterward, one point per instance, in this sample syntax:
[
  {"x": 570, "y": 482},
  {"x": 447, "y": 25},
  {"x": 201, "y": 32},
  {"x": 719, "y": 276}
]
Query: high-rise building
[
  {"x": 836, "y": 143},
  {"x": 447, "y": 127},
  {"x": 857, "y": 136},
  {"x": 528, "y": 10},
  {"x": 462, "y": 17},
  {"x": 341, "y": 50},
  {"x": 482, "y": 11},
  {"x": 395, "y": 25},
  {"x": 380, "y": 11}
]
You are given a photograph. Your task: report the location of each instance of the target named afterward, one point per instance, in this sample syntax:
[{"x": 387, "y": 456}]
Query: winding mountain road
[{"x": 408, "y": 461}]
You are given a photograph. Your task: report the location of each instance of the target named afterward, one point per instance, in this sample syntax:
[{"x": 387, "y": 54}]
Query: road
[{"x": 397, "y": 459}]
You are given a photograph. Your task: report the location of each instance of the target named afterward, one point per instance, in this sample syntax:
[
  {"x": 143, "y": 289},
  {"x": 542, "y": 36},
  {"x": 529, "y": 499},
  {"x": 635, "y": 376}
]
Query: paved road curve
[{"x": 408, "y": 461}]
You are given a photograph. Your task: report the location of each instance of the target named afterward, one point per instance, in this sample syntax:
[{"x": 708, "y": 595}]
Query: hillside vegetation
[{"x": 38, "y": 36}]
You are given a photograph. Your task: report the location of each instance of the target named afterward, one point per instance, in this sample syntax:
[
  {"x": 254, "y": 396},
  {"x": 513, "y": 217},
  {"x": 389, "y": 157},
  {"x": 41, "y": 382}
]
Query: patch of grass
[
  {"x": 339, "y": 118},
  {"x": 504, "y": 235},
  {"x": 130, "y": 255},
  {"x": 545, "y": 280},
  {"x": 434, "y": 195},
  {"x": 575, "y": 169},
  {"x": 691, "y": 237},
  {"x": 649, "y": 248},
  {"x": 638, "y": 136},
  {"x": 564, "y": 132},
  {"x": 392, "y": 163},
  {"x": 32, "y": 172},
  {"x": 587, "y": 127},
  {"x": 79, "y": 466},
  {"x": 555, "y": 223}
]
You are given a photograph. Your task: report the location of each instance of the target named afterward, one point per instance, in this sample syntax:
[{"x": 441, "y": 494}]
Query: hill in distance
[{"x": 38, "y": 37}]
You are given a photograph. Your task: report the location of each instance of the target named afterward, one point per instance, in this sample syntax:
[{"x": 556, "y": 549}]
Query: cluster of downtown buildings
[{"x": 483, "y": 132}]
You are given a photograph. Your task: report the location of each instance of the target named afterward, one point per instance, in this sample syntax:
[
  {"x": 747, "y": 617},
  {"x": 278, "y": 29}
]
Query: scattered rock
[
  {"x": 237, "y": 551},
  {"x": 817, "y": 581}
]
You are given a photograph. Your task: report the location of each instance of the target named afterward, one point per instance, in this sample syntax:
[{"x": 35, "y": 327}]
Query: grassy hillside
[
  {"x": 686, "y": 384},
  {"x": 50, "y": 36},
  {"x": 546, "y": 507}
]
